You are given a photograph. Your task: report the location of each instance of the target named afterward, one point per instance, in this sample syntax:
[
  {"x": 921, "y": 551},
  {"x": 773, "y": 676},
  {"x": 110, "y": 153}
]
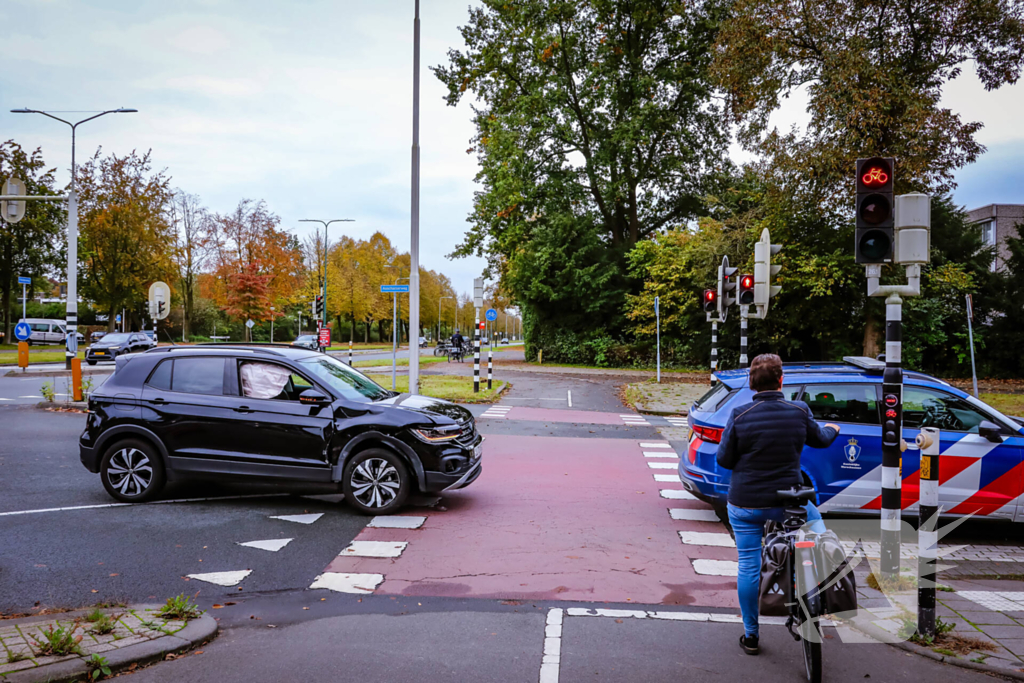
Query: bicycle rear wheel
[{"x": 810, "y": 636}]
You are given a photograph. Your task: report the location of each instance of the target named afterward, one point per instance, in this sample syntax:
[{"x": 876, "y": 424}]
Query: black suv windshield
[
  {"x": 115, "y": 338},
  {"x": 350, "y": 383}
]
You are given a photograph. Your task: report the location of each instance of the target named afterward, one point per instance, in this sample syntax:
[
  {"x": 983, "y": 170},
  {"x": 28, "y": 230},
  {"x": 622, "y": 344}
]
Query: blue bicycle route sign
[{"x": 491, "y": 314}]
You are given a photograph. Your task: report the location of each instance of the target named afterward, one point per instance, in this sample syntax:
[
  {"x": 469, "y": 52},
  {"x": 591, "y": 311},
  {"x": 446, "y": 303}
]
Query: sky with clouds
[{"x": 307, "y": 104}]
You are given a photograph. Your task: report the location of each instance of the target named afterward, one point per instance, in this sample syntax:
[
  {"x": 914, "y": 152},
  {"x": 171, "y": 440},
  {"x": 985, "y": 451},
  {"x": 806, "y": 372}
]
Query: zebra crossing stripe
[
  {"x": 709, "y": 538},
  {"x": 663, "y": 465},
  {"x": 692, "y": 515},
  {"x": 668, "y": 479},
  {"x": 655, "y": 444},
  {"x": 716, "y": 567}
]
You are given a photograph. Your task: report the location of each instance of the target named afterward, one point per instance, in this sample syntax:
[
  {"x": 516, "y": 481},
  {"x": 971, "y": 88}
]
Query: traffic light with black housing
[
  {"x": 875, "y": 208},
  {"x": 710, "y": 301},
  {"x": 160, "y": 306},
  {"x": 746, "y": 296},
  {"x": 726, "y": 287}
]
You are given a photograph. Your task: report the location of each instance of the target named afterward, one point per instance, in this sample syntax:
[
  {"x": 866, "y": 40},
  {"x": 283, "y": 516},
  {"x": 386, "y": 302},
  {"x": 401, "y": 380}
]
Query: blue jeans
[{"x": 748, "y": 526}]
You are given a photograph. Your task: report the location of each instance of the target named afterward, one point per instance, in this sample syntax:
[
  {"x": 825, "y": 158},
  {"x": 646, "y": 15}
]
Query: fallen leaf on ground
[
  {"x": 115, "y": 575},
  {"x": 217, "y": 606}
]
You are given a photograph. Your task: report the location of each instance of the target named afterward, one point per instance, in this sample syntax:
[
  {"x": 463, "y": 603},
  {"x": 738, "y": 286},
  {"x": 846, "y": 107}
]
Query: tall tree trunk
[
  {"x": 5, "y": 305},
  {"x": 870, "y": 345}
]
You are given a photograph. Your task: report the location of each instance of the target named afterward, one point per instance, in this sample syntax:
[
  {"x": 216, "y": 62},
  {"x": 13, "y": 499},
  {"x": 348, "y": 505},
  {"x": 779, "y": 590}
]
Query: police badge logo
[{"x": 851, "y": 450}]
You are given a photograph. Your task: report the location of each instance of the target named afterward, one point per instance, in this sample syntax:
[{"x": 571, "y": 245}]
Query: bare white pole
[{"x": 414, "y": 250}]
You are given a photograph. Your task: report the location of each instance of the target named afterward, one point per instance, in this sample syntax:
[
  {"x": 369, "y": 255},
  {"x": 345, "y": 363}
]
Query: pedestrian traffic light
[
  {"x": 764, "y": 290},
  {"x": 160, "y": 308},
  {"x": 746, "y": 296},
  {"x": 710, "y": 301},
  {"x": 726, "y": 285},
  {"x": 875, "y": 214}
]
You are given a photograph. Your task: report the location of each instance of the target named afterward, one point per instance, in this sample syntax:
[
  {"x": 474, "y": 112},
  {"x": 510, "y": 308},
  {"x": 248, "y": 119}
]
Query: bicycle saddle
[{"x": 798, "y": 495}]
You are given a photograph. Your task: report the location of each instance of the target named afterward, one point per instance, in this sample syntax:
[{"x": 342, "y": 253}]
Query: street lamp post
[
  {"x": 439, "y": 316},
  {"x": 271, "y": 324},
  {"x": 71, "y": 315},
  {"x": 414, "y": 242},
  {"x": 325, "y": 224}
]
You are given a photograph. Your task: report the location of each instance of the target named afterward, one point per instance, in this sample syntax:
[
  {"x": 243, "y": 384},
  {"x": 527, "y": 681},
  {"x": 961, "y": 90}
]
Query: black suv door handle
[
  {"x": 243, "y": 409},
  {"x": 157, "y": 401}
]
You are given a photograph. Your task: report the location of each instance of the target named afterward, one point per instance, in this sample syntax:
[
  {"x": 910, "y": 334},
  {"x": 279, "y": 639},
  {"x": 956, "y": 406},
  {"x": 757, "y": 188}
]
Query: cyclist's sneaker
[{"x": 749, "y": 644}]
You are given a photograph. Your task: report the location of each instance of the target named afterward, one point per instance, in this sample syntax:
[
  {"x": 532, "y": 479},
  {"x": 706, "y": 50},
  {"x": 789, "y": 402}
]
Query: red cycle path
[{"x": 554, "y": 518}]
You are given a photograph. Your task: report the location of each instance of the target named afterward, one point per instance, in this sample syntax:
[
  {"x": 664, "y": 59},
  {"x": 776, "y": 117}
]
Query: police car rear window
[{"x": 710, "y": 401}]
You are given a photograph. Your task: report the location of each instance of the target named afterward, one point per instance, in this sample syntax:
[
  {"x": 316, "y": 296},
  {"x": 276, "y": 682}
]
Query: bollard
[
  {"x": 490, "y": 363},
  {"x": 23, "y": 355},
  {"x": 927, "y": 536},
  {"x": 76, "y": 378},
  {"x": 476, "y": 354},
  {"x": 350, "y": 353}
]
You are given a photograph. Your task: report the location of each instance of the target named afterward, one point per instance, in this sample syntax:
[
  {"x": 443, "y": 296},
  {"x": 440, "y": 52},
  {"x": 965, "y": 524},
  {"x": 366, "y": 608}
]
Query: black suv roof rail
[{"x": 255, "y": 348}]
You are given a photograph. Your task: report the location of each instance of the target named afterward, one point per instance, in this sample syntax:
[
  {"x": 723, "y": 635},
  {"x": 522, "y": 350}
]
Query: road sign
[
  {"x": 250, "y": 324},
  {"x": 24, "y": 280},
  {"x": 13, "y": 211},
  {"x": 117, "y": 318},
  {"x": 491, "y": 314},
  {"x": 391, "y": 289},
  {"x": 159, "y": 293},
  {"x": 325, "y": 337},
  {"x": 22, "y": 331}
]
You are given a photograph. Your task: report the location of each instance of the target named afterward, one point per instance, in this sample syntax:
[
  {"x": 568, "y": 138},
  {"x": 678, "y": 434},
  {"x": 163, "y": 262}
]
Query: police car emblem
[{"x": 851, "y": 450}]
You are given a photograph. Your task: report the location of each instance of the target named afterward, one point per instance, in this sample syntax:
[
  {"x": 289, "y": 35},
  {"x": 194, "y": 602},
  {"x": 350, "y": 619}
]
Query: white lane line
[
  {"x": 300, "y": 519},
  {"x": 568, "y": 393},
  {"x": 374, "y": 549},
  {"x": 156, "y": 502},
  {"x": 663, "y": 465},
  {"x": 661, "y": 454},
  {"x": 675, "y": 494},
  {"x": 716, "y": 567},
  {"x": 338, "y": 582},
  {"x": 397, "y": 522},
  {"x": 552, "y": 646},
  {"x": 655, "y": 444},
  {"x": 273, "y": 544},
  {"x": 617, "y": 613},
  {"x": 692, "y": 515},
  {"x": 6, "y": 399},
  {"x": 222, "y": 578},
  {"x": 668, "y": 478},
  {"x": 707, "y": 538}
]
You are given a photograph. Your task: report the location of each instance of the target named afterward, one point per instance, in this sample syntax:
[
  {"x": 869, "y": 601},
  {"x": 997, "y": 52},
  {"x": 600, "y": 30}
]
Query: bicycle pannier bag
[
  {"x": 776, "y": 579},
  {"x": 839, "y": 589}
]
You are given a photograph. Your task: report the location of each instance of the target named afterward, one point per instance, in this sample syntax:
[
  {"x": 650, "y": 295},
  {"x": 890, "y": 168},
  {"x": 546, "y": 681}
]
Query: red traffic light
[
  {"x": 747, "y": 282},
  {"x": 746, "y": 289},
  {"x": 709, "y": 294},
  {"x": 710, "y": 300},
  {"x": 874, "y": 174}
]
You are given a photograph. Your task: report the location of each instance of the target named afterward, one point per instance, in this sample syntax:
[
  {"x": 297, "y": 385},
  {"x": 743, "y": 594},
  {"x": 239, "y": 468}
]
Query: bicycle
[
  {"x": 455, "y": 352},
  {"x": 441, "y": 349},
  {"x": 803, "y": 592}
]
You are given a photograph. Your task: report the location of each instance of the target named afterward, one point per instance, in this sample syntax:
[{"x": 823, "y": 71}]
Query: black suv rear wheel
[
  {"x": 132, "y": 471},
  {"x": 376, "y": 482}
]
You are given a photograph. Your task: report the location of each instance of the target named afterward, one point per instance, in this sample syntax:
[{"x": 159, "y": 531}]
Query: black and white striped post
[
  {"x": 714, "y": 348},
  {"x": 927, "y": 534},
  {"x": 892, "y": 430},
  {"x": 476, "y": 353},
  {"x": 744, "y": 312},
  {"x": 350, "y": 353},
  {"x": 490, "y": 359}
]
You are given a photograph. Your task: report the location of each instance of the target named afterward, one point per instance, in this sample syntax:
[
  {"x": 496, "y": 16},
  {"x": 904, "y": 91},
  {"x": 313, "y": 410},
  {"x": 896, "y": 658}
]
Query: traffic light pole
[
  {"x": 892, "y": 400},
  {"x": 744, "y": 313},
  {"x": 714, "y": 346},
  {"x": 476, "y": 352}
]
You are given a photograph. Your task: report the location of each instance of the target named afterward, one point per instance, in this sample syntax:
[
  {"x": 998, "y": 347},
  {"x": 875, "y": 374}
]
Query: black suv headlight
[{"x": 437, "y": 434}]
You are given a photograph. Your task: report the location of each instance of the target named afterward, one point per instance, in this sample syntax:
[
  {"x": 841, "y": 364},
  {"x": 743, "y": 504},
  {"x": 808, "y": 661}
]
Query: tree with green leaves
[
  {"x": 126, "y": 239},
  {"x": 34, "y": 246},
  {"x": 597, "y": 127}
]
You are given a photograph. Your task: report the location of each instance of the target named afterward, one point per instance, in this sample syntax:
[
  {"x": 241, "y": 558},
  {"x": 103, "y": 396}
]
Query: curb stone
[
  {"x": 194, "y": 632},
  {"x": 881, "y": 636}
]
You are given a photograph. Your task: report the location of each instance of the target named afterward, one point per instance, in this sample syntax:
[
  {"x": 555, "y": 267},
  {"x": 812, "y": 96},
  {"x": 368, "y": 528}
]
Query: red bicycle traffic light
[{"x": 874, "y": 211}]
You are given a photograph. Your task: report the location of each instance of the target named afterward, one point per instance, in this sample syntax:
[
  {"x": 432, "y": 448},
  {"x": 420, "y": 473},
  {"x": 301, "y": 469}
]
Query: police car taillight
[{"x": 709, "y": 434}]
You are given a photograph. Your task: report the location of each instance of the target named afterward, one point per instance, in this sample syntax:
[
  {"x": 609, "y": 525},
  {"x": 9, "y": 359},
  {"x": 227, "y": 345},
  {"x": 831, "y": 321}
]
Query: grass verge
[
  {"x": 1007, "y": 404},
  {"x": 386, "y": 362},
  {"x": 11, "y": 359},
  {"x": 448, "y": 387}
]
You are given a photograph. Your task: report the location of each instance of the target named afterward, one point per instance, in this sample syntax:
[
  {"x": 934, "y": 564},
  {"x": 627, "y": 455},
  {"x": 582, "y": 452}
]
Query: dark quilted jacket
[{"x": 761, "y": 444}]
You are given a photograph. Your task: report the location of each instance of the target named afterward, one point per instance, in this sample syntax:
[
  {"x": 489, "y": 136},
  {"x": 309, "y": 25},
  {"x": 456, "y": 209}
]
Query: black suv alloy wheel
[
  {"x": 376, "y": 482},
  {"x": 132, "y": 471}
]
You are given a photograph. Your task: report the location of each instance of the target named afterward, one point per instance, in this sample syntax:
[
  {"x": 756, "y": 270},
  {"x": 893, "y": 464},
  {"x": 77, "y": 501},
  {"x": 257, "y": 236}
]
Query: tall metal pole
[
  {"x": 394, "y": 339},
  {"x": 414, "y": 244},
  {"x": 324, "y": 282},
  {"x": 714, "y": 349},
  {"x": 970, "y": 336},
  {"x": 657, "y": 331},
  {"x": 892, "y": 431}
]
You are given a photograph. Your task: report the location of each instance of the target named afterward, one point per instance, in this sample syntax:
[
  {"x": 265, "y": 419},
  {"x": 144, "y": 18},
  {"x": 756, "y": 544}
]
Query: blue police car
[{"x": 980, "y": 469}]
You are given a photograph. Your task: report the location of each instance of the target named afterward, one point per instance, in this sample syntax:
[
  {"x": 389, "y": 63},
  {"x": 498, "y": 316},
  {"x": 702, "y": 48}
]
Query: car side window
[
  {"x": 791, "y": 392},
  {"x": 271, "y": 381},
  {"x": 198, "y": 376},
  {"x": 39, "y": 327},
  {"x": 161, "y": 377},
  {"x": 930, "y": 408},
  {"x": 854, "y": 403}
]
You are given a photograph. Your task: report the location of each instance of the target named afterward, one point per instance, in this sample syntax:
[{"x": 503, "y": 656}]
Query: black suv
[
  {"x": 272, "y": 413},
  {"x": 115, "y": 344}
]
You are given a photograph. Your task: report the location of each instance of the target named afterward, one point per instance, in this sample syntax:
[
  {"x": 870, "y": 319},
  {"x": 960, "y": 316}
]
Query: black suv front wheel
[
  {"x": 376, "y": 482},
  {"x": 132, "y": 471}
]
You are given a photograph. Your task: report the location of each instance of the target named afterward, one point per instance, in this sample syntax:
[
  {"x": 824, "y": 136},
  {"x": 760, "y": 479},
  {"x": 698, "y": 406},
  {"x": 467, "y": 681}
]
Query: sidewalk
[{"x": 67, "y": 646}]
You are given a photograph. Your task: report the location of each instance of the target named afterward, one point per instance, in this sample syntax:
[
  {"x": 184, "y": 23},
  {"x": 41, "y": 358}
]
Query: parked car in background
[
  {"x": 96, "y": 336},
  {"x": 272, "y": 414},
  {"x": 45, "y": 330},
  {"x": 118, "y": 344},
  {"x": 151, "y": 334},
  {"x": 423, "y": 342},
  {"x": 307, "y": 341}
]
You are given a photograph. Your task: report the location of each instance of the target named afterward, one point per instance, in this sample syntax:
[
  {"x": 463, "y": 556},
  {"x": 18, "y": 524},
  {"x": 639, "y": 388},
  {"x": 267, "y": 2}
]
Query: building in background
[{"x": 998, "y": 221}]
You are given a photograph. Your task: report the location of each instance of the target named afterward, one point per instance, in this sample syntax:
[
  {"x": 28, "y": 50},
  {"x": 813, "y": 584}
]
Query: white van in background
[{"x": 47, "y": 331}]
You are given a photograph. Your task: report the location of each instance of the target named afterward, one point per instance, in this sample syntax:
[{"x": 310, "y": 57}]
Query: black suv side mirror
[
  {"x": 990, "y": 431},
  {"x": 313, "y": 397}
]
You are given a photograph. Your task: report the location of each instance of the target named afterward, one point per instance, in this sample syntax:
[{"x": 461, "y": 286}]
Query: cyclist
[
  {"x": 761, "y": 444},
  {"x": 458, "y": 341}
]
